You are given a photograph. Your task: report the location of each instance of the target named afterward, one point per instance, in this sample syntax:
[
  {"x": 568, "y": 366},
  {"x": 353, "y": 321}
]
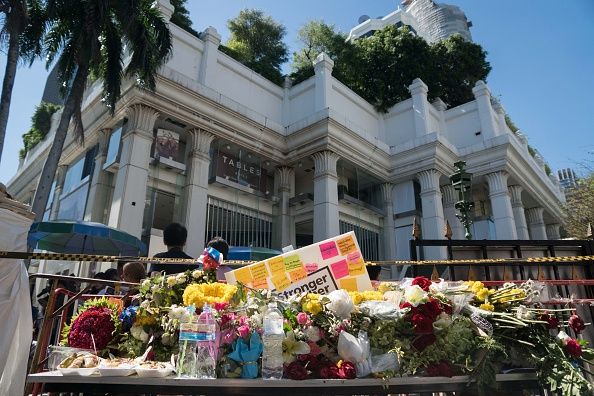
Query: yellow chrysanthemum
[
  {"x": 144, "y": 320},
  {"x": 477, "y": 286},
  {"x": 198, "y": 294},
  {"x": 482, "y": 294},
  {"x": 384, "y": 287},
  {"x": 359, "y": 297},
  {"x": 487, "y": 307},
  {"x": 311, "y": 304}
]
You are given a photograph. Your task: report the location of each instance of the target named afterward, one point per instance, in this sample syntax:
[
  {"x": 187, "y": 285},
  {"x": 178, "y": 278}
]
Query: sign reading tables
[{"x": 319, "y": 268}]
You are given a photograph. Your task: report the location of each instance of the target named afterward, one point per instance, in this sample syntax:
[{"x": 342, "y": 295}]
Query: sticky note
[
  {"x": 297, "y": 274},
  {"x": 356, "y": 264},
  {"x": 311, "y": 267},
  {"x": 340, "y": 269},
  {"x": 243, "y": 275},
  {"x": 292, "y": 262},
  {"x": 260, "y": 284},
  {"x": 259, "y": 271},
  {"x": 328, "y": 250},
  {"x": 280, "y": 282},
  {"x": 276, "y": 265},
  {"x": 348, "y": 284},
  {"x": 346, "y": 245}
]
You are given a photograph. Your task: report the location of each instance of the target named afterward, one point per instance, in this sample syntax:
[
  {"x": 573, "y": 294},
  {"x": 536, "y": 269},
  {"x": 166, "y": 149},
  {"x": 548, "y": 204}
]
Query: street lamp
[{"x": 461, "y": 183}]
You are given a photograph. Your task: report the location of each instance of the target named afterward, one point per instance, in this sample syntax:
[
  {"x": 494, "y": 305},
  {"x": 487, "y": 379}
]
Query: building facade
[
  {"x": 226, "y": 152},
  {"x": 567, "y": 178}
]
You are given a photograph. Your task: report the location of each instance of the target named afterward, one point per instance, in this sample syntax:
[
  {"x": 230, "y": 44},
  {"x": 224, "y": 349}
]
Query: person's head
[
  {"x": 221, "y": 245},
  {"x": 112, "y": 274},
  {"x": 175, "y": 235},
  {"x": 134, "y": 272},
  {"x": 100, "y": 275},
  {"x": 374, "y": 271}
]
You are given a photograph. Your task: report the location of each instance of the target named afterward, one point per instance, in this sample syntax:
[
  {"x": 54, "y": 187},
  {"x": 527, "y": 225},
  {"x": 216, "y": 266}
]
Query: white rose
[
  {"x": 393, "y": 296},
  {"x": 415, "y": 295},
  {"x": 181, "y": 278},
  {"x": 312, "y": 333},
  {"x": 340, "y": 303},
  {"x": 196, "y": 274},
  {"x": 171, "y": 281}
]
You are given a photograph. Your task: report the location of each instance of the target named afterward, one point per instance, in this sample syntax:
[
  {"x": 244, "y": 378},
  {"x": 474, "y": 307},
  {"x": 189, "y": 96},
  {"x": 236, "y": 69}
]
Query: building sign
[
  {"x": 335, "y": 263},
  {"x": 241, "y": 171},
  {"x": 167, "y": 144}
]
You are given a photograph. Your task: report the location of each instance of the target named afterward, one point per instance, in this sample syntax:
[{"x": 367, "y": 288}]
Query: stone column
[
  {"x": 60, "y": 177},
  {"x": 450, "y": 197},
  {"x": 323, "y": 66},
  {"x": 389, "y": 233},
  {"x": 325, "y": 195},
  {"x": 196, "y": 190},
  {"x": 518, "y": 209},
  {"x": 208, "y": 63},
  {"x": 503, "y": 215},
  {"x": 99, "y": 181},
  {"x": 553, "y": 231},
  {"x": 536, "y": 223},
  {"x": 433, "y": 219},
  {"x": 129, "y": 195},
  {"x": 441, "y": 107},
  {"x": 285, "y": 234},
  {"x": 500, "y": 111},
  {"x": 482, "y": 96},
  {"x": 418, "y": 90}
]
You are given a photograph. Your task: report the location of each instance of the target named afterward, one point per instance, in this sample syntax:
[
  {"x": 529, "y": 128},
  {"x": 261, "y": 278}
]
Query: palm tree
[{"x": 91, "y": 36}]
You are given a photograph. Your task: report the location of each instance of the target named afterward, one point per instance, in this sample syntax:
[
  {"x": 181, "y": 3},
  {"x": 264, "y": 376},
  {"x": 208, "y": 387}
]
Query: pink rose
[
  {"x": 302, "y": 318},
  {"x": 243, "y": 331}
]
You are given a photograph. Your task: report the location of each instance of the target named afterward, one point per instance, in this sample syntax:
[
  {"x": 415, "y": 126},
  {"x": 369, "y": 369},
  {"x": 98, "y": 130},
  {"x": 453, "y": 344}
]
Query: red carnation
[
  {"x": 422, "y": 282},
  {"x": 423, "y": 341},
  {"x": 96, "y": 321},
  {"x": 423, "y": 324},
  {"x": 295, "y": 371},
  {"x": 576, "y": 323},
  {"x": 441, "y": 369},
  {"x": 347, "y": 370},
  {"x": 328, "y": 371},
  {"x": 431, "y": 308},
  {"x": 552, "y": 322},
  {"x": 573, "y": 348}
]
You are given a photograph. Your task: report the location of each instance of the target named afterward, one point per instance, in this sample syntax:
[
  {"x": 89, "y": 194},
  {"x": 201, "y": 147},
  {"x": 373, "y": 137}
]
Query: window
[
  {"x": 368, "y": 239},
  {"x": 79, "y": 171},
  {"x": 113, "y": 147}
]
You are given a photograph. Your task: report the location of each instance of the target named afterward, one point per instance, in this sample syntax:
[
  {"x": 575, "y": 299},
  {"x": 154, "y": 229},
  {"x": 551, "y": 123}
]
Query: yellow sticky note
[
  {"x": 276, "y": 265},
  {"x": 356, "y": 264},
  {"x": 293, "y": 262},
  {"x": 297, "y": 274},
  {"x": 259, "y": 271},
  {"x": 260, "y": 284},
  {"x": 280, "y": 282},
  {"x": 348, "y": 284},
  {"x": 243, "y": 275},
  {"x": 346, "y": 245}
]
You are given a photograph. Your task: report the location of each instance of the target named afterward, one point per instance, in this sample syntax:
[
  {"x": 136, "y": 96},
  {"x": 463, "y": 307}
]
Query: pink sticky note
[
  {"x": 328, "y": 250},
  {"x": 354, "y": 257},
  {"x": 340, "y": 269},
  {"x": 311, "y": 267}
]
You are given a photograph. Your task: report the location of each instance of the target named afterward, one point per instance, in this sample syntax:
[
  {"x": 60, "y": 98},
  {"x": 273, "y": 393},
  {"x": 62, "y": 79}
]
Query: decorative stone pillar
[
  {"x": 441, "y": 107},
  {"x": 418, "y": 90},
  {"x": 518, "y": 209},
  {"x": 433, "y": 219},
  {"x": 553, "y": 231},
  {"x": 449, "y": 198},
  {"x": 323, "y": 66},
  {"x": 129, "y": 194},
  {"x": 196, "y": 190},
  {"x": 326, "y": 218},
  {"x": 60, "y": 177},
  {"x": 99, "y": 189},
  {"x": 208, "y": 63},
  {"x": 389, "y": 234},
  {"x": 500, "y": 112},
  {"x": 167, "y": 9},
  {"x": 286, "y": 225},
  {"x": 536, "y": 223},
  {"x": 482, "y": 96},
  {"x": 503, "y": 215}
]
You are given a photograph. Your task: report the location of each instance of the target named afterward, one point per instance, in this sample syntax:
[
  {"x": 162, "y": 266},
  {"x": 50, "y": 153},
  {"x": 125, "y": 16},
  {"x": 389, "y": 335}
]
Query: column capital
[
  {"x": 285, "y": 175},
  {"x": 103, "y": 139},
  {"x": 211, "y": 35},
  {"x": 515, "y": 192},
  {"x": 387, "y": 192},
  {"x": 429, "y": 180},
  {"x": 481, "y": 89},
  {"x": 200, "y": 142},
  {"x": 553, "y": 230},
  {"x": 418, "y": 87},
  {"x": 323, "y": 62},
  {"x": 535, "y": 215},
  {"x": 449, "y": 196},
  {"x": 167, "y": 9},
  {"x": 141, "y": 118},
  {"x": 325, "y": 163},
  {"x": 497, "y": 182}
]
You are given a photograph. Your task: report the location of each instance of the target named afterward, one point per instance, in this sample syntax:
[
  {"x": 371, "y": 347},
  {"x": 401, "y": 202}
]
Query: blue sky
[{"x": 542, "y": 54}]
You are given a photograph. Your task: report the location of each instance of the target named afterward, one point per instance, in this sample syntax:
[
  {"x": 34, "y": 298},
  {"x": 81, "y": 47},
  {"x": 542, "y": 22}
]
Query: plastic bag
[{"x": 355, "y": 350}]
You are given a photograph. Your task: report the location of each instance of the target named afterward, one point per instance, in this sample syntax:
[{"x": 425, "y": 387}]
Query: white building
[
  {"x": 227, "y": 152},
  {"x": 567, "y": 178},
  {"x": 431, "y": 21}
]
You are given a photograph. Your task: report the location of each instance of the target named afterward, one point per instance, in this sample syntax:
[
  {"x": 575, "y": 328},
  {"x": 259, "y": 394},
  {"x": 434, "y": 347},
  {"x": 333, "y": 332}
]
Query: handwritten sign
[
  {"x": 281, "y": 282},
  {"x": 259, "y": 271},
  {"x": 328, "y": 250},
  {"x": 276, "y": 265},
  {"x": 346, "y": 245},
  {"x": 293, "y": 262},
  {"x": 340, "y": 269}
]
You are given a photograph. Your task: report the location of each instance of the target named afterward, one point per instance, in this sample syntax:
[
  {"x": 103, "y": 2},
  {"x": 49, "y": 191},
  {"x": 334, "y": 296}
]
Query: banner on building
[
  {"x": 167, "y": 144},
  {"x": 335, "y": 263}
]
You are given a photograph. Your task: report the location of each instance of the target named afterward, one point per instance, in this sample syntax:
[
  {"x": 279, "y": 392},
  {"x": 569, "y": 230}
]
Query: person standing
[{"x": 174, "y": 237}]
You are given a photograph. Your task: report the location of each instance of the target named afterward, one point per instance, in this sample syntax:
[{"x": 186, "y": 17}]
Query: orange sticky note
[
  {"x": 259, "y": 271},
  {"x": 243, "y": 275},
  {"x": 260, "y": 284},
  {"x": 297, "y": 274},
  {"x": 276, "y": 265},
  {"x": 346, "y": 245},
  {"x": 293, "y": 262},
  {"x": 280, "y": 282},
  {"x": 348, "y": 284}
]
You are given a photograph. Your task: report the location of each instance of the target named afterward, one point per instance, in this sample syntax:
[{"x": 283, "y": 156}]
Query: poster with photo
[
  {"x": 336, "y": 263},
  {"x": 167, "y": 144}
]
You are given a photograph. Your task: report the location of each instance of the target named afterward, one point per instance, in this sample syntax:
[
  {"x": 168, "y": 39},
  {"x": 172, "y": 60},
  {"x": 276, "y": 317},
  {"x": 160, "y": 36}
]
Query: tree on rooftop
[
  {"x": 257, "y": 41},
  {"x": 181, "y": 16},
  {"x": 88, "y": 36}
]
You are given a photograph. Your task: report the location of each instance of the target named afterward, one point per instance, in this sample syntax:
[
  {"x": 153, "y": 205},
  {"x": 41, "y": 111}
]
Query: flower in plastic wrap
[
  {"x": 340, "y": 303},
  {"x": 211, "y": 259},
  {"x": 127, "y": 317},
  {"x": 422, "y": 282},
  {"x": 576, "y": 323},
  {"x": 139, "y": 333},
  {"x": 293, "y": 347},
  {"x": 415, "y": 295},
  {"x": 573, "y": 348},
  {"x": 248, "y": 355},
  {"x": 356, "y": 350},
  {"x": 95, "y": 321}
]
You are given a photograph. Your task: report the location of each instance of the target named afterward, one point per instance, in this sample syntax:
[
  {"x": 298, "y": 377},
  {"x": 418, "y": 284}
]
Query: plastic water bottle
[
  {"x": 206, "y": 353},
  {"x": 272, "y": 356},
  {"x": 188, "y": 340}
]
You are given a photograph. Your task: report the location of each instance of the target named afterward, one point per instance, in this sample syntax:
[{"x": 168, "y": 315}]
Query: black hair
[
  {"x": 221, "y": 245},
  {"x": 112, "y": 274},
  {"x": 374, "y": 271},
  {"x": 100, "y": 275},
  {"x": 175, "y": 234}
]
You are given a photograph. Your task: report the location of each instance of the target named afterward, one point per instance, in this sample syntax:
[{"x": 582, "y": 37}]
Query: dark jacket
[{"x": 174, "y": 252}]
